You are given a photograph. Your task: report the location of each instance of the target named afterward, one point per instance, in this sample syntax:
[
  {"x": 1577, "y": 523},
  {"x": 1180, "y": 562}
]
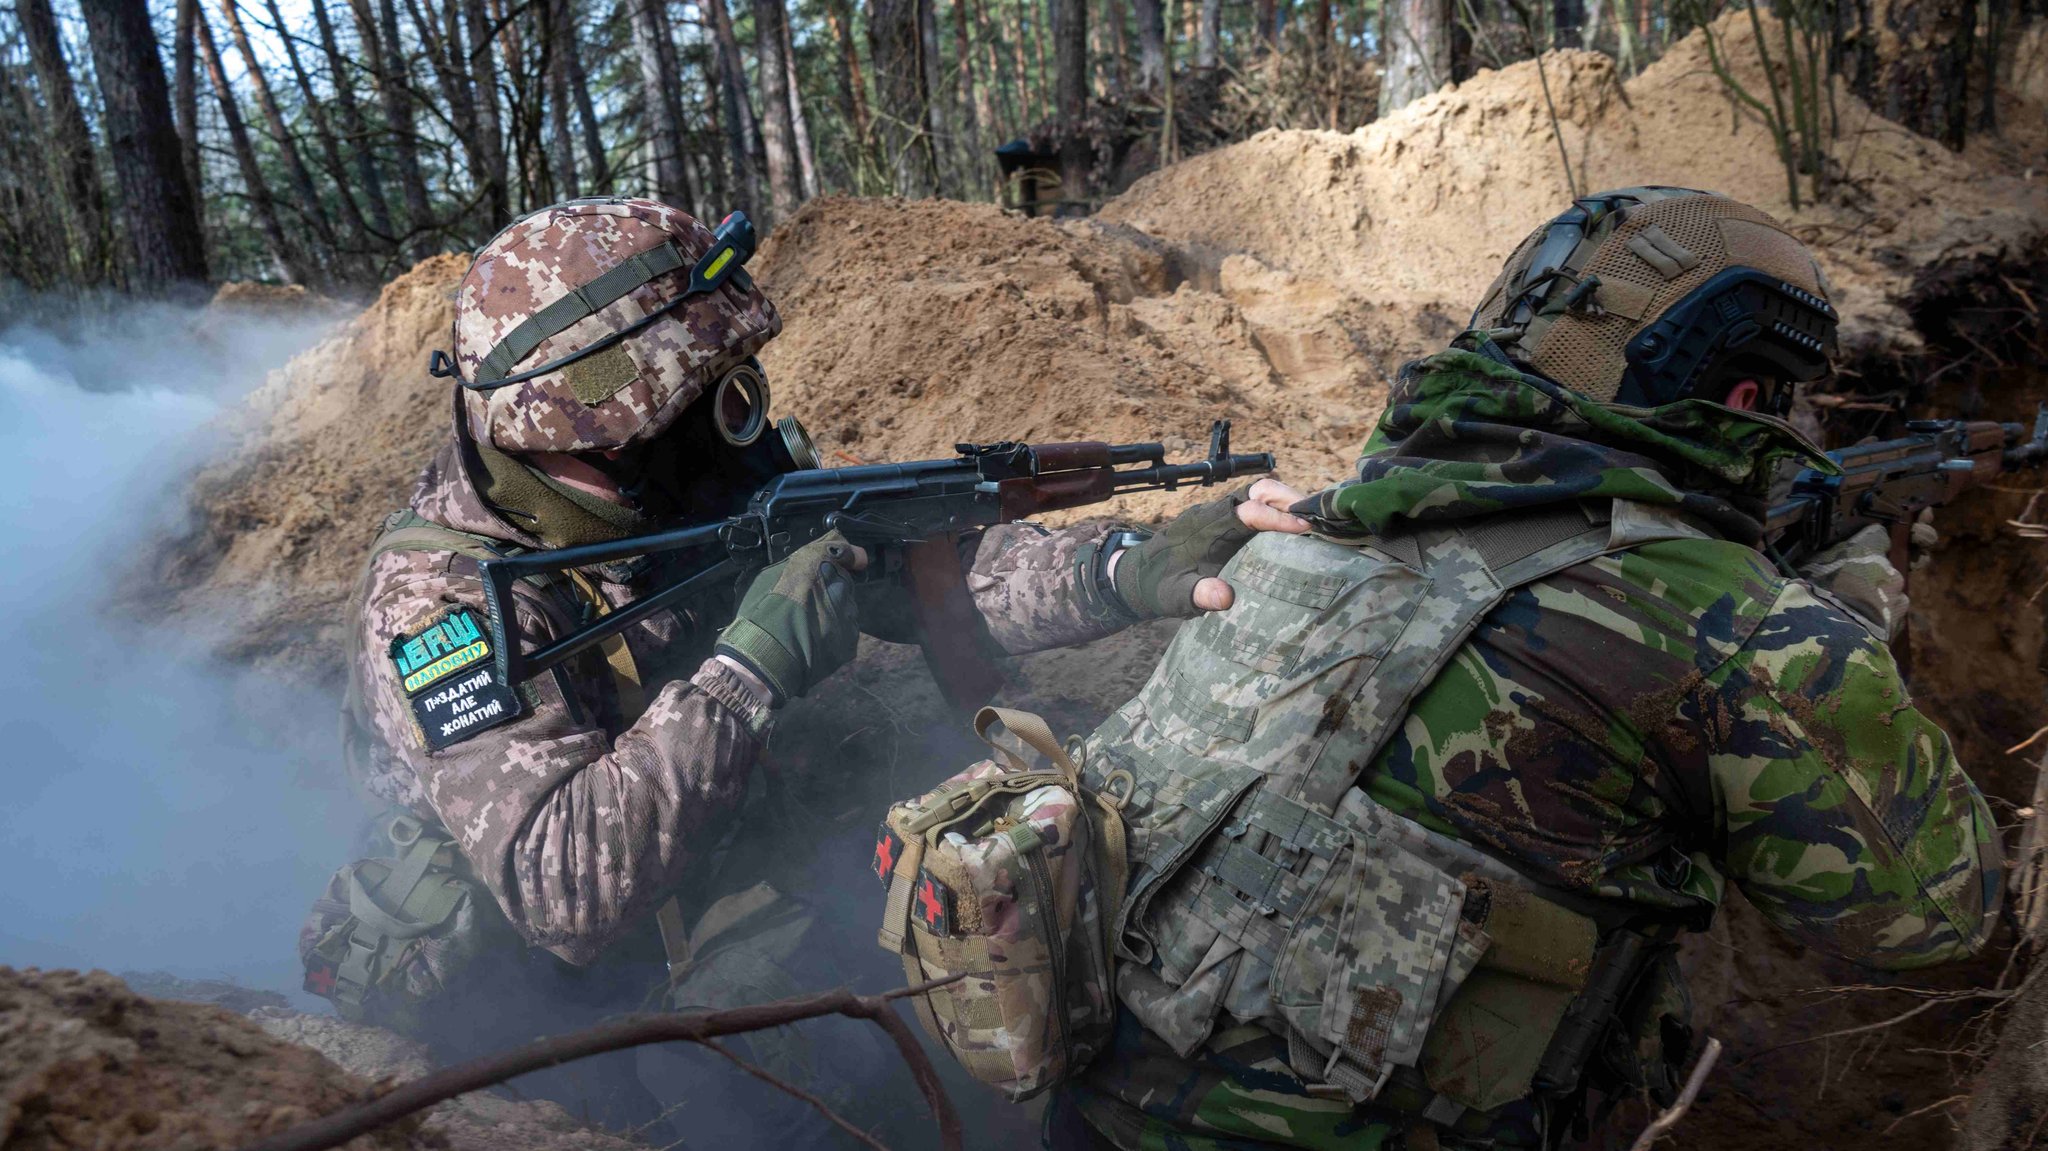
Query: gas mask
[{"x": 721, "y": 450}]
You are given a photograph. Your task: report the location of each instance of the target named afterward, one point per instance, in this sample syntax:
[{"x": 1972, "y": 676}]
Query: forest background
[{"x": 157, "y": 148}]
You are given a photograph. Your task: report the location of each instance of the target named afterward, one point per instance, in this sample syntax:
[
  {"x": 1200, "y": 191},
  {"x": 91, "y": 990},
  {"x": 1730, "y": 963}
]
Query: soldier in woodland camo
[
  {"x": 1627, "y": 732},
  {"x": 590, "y": 372}
]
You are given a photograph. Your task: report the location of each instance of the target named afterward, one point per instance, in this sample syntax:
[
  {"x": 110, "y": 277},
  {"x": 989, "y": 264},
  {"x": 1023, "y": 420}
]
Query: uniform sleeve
[
  {"x": 575, "y": 834},
  {"x": 1035, "y": 590},
  {"x": 1842, "y": 810}
]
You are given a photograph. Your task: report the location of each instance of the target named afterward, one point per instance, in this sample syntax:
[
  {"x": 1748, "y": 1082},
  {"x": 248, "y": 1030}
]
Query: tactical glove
[
  {"x": 1158, "y": 577},
  {"x": 1858, "y": 574},
  {"x": 799, "y": 621}
]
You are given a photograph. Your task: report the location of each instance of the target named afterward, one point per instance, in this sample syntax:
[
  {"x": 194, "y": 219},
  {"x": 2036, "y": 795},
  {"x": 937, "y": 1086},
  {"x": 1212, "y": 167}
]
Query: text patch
[{"x": 452, "y": 713}]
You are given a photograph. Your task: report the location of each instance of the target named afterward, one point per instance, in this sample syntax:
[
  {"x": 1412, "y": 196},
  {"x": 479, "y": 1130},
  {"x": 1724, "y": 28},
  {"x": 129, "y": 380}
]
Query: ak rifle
[
  {"x": 1891, "y": 481},
  {"x": 908, "y": 516}
]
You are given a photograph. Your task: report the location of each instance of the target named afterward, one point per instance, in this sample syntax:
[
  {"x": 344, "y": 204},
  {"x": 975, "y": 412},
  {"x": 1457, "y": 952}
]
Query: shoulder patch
[{"x": 446, "y": 671}]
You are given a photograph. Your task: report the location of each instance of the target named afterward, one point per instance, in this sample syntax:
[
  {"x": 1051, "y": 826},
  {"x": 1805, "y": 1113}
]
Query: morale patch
[
  {"x": 477, "y": 702},
  {"x": 447, "y": 673},
  {"x": 453, "y": 641},
  {"x": 932, "y": 903},
  {"x": 888, "y": 849}
]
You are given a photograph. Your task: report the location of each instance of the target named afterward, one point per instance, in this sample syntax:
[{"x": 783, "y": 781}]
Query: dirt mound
[
  {"x": 85, "y": 1062},
  {"x": 328, "y": 445},
  {"x": 1418, "y": 210},
  {"x": 480, "y": 1121}
]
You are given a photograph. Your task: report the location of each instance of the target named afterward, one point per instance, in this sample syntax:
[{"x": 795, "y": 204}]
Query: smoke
[{"x": 152, "y": 817}]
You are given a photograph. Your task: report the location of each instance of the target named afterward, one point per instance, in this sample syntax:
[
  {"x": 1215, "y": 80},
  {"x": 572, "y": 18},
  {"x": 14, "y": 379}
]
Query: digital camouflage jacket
[
  {"x": 585, "y": 812},
  {"x": 1638, "y": 728}
]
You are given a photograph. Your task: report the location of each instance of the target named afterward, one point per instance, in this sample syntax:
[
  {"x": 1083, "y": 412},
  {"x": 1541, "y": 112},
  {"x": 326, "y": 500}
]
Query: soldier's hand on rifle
[
  {"x": 799, "y": 621},
  {"x": 1175, "y": 572}
]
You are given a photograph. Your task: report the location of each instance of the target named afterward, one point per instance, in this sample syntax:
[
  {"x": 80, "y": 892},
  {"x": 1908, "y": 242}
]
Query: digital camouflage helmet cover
[{"x": 592, "y": 324}]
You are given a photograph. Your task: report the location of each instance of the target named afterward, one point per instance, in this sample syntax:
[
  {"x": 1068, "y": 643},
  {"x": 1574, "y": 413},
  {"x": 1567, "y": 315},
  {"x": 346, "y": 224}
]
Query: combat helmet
[
  {"x": 1645, "y": 296},
  {"x": 591, "y": 325}
]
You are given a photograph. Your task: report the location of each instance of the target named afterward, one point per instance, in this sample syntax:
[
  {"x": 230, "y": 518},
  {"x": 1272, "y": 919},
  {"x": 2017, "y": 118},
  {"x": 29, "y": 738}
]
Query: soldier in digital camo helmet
[
  {"x": 1417, "y": 820},
  {"x": 605, "y": 352}
]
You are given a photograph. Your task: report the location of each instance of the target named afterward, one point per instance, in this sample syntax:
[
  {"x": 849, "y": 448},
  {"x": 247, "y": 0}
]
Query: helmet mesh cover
[{"x": 1585, "y": 348}]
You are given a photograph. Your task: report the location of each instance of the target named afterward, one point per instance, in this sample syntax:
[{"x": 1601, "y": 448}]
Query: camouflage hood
[{"x": 1466, "y": 434}]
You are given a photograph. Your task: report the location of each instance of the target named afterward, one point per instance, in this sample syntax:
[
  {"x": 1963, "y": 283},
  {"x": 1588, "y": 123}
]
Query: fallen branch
[
  {"x": 1664, "y": 1122},
  {"x": 791, "y": 1089},
  {"x": 633, "y": 1031}
]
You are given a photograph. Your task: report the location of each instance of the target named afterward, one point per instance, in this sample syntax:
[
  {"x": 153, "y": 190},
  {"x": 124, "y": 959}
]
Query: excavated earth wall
[{"x": 1279, "y": 283}]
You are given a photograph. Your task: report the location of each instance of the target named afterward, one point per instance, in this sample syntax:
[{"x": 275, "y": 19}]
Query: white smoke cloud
[{"x": 152, "y": 816}]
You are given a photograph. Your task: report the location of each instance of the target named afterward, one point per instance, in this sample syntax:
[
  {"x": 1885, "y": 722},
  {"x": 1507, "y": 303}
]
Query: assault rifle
[
  {"x": 1891, "y": 481},
  {"x": 906, "y": 515}
]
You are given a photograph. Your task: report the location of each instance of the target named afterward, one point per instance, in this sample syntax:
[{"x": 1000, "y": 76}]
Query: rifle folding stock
[{"x": 886, "y": 508}]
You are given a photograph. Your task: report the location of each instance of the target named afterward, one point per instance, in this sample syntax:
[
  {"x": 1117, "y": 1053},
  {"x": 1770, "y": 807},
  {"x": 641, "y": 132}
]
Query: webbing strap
[
  {"x": 625, "y": 669},
  {"x": 581, "y": 303},
  {"x": 1453, "y": 558}
]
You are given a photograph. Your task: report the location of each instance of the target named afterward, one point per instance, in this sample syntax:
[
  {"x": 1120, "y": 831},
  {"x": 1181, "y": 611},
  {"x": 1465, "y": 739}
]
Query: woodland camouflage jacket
[
  {"x": 1640, "y": 728},
  {"x": 584, "y": 813},
  {"x": 1645, "y": 724}
]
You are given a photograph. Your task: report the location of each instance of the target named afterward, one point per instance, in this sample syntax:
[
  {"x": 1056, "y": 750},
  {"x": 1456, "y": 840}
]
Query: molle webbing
[
  {"x": 580, "y": 304},
  {"x": 1514, "y": 549},
  {"x": 1363, "y": 936}
]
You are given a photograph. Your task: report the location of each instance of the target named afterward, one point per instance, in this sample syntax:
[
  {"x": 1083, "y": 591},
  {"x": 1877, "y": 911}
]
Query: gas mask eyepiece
[{"x": 739, "y": 405}]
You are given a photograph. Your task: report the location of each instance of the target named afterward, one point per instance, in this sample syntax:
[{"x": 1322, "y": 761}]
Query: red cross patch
[
  {"x": 888, "y": 849},
  {"x": 320, "y": 979},
  {"x": 933, "y": 904}
]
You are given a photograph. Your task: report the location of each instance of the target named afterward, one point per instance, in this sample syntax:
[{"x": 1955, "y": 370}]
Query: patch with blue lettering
[{"x": 446, "y": 670}]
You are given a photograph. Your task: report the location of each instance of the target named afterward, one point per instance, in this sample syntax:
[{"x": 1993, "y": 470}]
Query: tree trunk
[
  {"x": 369, "y": 173},
  {"x": 1416, "y": 51},
  {"x": 1002, "y": 118},
  {"x": 1151, "y": 19},
  {"x": 853, "y": 98},
  {"x": 282, "y": 250},
  {"x": 1070, "y": 54},
  {"x": 482, "y": 67},
  {"x": 166, "y": 246},
  {"x": 78, "y": 182},
  {"x": 742, "y": 134},
  {"x": 973, "y": 104},
  {"x": 1922, "y": 81},
  {"x": 561, "y": 23},
  {"x": 1210, "y": 33},
  {"x": 1266, "y": 13},
  {"x": 1027, "y": 96},
  {"x": 897, "y": 45},
  {"x": 280, "y": 133},
  {"x": 806, "y": 155},
  {"x": 1115, "y": 47},
  {"x": 377, "y": 28},
  {"x": 938, "y": 113},
  {"x": 323, "y": 131},
  {"x": 185, "y": 93},
  {"x": 1046, "y": 105},
  {"x": 778, "y": 134},
  {"x": 586, "y": 110},
  {"x": 664, "y": 125}
]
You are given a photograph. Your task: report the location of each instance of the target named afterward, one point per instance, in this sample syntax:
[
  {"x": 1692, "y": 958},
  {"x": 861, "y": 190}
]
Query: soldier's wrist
[
  {"x": 739, "y": 691},
  {"x": 1096, "y": 568}
]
